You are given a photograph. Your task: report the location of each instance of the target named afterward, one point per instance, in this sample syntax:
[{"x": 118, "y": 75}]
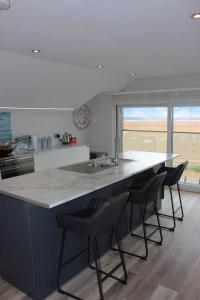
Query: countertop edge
[{"x": 87, "y": 191}]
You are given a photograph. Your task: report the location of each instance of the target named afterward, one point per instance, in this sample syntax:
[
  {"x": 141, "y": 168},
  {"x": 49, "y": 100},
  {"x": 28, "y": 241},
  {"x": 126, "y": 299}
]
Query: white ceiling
[
  {"x": 151, "y": 38},
  {"x": 29, "y": 82}
]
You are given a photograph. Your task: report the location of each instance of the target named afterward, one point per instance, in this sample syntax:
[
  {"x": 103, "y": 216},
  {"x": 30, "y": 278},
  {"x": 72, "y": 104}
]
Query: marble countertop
[{"x": 55, "y": 187}]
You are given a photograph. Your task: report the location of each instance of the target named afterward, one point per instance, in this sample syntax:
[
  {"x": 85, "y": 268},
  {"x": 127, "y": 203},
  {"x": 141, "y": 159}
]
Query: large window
[
  {"x": 162, "y": 129},
  {"x": 186, "y": 140},
  {"x": 144, "y": 128}
]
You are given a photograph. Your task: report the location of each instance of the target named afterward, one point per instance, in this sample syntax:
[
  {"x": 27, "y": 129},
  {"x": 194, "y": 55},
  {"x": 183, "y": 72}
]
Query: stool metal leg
[
  {"x": 158, "y": 220},
  {"x": 181, "y": 206},
  {"x": 97, "y": 266},
  {"x": 157, "y": 227},
  {"x": 122, "y": 263},
  {"x": 120, "y": 248},
  {"x": 139, "y": 236},
  {"x": 144, "y": 235},
  {"x": 173, "y": 212},
  {"x": 173, "y": 217},
  {"x": 89, "y": 253},
  {"x": 59, "y": 289}
]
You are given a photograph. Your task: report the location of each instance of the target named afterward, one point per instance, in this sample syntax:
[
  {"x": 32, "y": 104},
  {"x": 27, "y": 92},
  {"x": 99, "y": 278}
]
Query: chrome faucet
[{"x": 116, "y": 141}]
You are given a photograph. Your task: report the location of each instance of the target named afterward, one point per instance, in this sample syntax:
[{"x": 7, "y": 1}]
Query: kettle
[{"x": 66, "y": 138}]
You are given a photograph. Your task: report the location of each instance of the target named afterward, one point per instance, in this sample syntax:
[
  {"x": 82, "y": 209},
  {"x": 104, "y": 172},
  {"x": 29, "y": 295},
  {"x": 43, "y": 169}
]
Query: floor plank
[{"x": 163, "y": 293}]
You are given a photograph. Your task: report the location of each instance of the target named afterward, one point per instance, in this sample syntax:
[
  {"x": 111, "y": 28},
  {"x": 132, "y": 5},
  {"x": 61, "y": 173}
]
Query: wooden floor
[{"x": 172, "y": 271}]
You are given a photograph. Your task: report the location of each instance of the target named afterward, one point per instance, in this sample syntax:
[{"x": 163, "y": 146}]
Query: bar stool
[
  {"x": 101, "y": 216},
  {"x": 142, "y": 196},
  {"x": 172, "y": 178}
]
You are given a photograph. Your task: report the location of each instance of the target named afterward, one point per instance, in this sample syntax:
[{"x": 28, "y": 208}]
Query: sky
[{"x": 161, "y": 112}]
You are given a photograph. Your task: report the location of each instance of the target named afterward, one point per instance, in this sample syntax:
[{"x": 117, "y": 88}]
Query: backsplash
[{"x": 5, "y": 127}]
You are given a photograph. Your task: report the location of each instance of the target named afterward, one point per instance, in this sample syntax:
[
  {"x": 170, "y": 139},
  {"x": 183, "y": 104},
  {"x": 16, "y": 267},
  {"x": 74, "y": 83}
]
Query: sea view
[{"x": 148, "y": 132}]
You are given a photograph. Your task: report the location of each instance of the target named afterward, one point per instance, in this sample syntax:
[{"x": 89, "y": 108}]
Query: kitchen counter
[
  {"x": 60, "y": 155},
  {"x": 29, "y": 204},
  {"x": 55, "y": 187},
  {"x": 58, "y": 147}
]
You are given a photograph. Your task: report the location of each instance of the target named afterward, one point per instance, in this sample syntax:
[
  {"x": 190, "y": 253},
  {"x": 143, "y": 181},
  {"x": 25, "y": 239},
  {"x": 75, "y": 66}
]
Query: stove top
[
  {"x": 16, "y": 159},
  {"x": 16, "y": 155}
]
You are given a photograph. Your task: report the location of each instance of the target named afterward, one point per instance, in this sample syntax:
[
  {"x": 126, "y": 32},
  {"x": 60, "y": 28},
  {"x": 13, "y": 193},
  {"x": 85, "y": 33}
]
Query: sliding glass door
[
  {"x": 161, "y": 129},
  {"x": 186, "y": 141}
]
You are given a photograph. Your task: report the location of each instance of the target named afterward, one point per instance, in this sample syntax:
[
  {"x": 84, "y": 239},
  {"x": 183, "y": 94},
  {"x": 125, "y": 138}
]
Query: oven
[{"x": 16, "y": 166}]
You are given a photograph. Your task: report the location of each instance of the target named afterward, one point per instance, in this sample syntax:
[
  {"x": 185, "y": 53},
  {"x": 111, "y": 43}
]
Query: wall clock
[{"x": 81, "y": 117}]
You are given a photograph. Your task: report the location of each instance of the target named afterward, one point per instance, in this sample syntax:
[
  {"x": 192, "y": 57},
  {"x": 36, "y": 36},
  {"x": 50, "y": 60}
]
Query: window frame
[{"x": 170, "y": 121}]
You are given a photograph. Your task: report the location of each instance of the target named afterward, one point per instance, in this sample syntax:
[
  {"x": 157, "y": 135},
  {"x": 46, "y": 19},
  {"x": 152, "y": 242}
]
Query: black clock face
[{"x": 81, "y": 117}]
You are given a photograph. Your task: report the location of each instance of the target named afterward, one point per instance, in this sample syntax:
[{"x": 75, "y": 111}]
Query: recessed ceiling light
[
  {"x": 4, "y": 4},
  {"x": 35, "y": 50},
  {"x": 99, "y": 66},
  {"x": 132, "y": 74},
  {"x": 196, "y": 16}
]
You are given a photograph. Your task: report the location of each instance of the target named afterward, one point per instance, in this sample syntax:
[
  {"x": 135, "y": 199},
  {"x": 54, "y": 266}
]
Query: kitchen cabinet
[{"x": 60, "y": 156}]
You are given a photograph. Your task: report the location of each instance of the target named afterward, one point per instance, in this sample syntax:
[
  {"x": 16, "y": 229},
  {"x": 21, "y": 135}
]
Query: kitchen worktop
[{"x": 55, "y": 187}]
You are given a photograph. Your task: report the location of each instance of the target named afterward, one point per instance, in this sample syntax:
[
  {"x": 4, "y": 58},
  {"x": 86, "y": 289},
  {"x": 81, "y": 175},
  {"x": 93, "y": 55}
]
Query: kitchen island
[{"x": 29, "y": 236}]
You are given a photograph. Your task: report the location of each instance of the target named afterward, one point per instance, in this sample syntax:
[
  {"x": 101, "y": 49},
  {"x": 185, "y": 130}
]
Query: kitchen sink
[
  {"x": 94, "y": 166},
  {"x": 109, "y": 162}
]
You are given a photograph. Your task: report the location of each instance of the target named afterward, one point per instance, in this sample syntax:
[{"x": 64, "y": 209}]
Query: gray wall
[
  {"x": 45, "y": 123},
  {"x": 101, "y": 129}
]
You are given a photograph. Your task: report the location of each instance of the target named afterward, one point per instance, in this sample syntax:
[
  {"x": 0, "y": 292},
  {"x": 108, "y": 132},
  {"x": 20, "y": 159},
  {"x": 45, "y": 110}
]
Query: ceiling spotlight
[
  {"x": 196, "y": 16},
  {"x": 4, "y": 4},
  {"x": 132, "y": 74},
  {"x": 35, "y": 50},
  {"x": 99, "y": 66}
]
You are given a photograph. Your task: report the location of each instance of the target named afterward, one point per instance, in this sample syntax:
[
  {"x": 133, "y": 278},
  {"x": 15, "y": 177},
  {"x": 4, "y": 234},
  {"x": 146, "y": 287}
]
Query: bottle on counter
[
  {"x": 39, "y": 144},
  {"x": 44, "y": 143},
  {"x": 66, "y": 138},
  {"x": 49, "y": 142}
]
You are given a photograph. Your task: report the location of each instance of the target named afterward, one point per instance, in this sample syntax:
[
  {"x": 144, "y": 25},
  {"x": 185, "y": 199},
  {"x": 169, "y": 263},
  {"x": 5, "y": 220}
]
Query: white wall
[
  {"x": 45, "y": 123},
  {"x": 101, "y": 129}
]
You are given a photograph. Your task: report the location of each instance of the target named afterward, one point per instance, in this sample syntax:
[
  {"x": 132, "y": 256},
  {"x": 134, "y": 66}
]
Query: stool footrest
[
  {"x": 156, "y": 228},
  {"x": 74, "y": 257},
  {"x": 61, "y": 291},
  {"x": 110, "y": 273},
  {"x": 171, "y": 217},
  {"x": 164, "y": 227},
  {"x": 148, "y": 237},
  {"x": 132, "y": 254}
]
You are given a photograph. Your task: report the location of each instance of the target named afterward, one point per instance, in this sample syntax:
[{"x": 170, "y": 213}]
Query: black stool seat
[
  {"x": 78, "y": 221},
  {"x": 173, "y": 173},
  {"x": 142, "y": 194},
  {"x": 172, "y": 178},
  {"x": 100, "y": 216}
]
